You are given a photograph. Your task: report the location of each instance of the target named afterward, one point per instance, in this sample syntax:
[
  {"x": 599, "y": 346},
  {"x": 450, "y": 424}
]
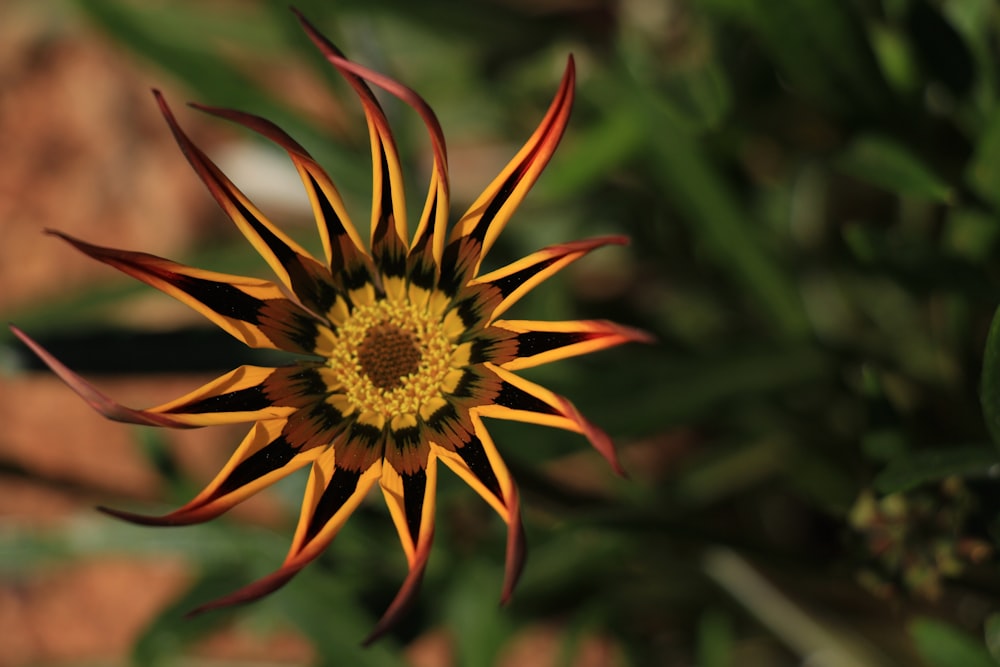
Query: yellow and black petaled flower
[{"x": 406, "y": 349}]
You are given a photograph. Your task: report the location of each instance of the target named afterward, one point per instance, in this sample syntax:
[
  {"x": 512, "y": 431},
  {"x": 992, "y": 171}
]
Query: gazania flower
[{"x": 405, "y": 349}]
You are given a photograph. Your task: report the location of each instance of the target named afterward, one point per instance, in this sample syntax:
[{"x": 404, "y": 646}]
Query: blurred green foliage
[{"x": 811, "y": 187}]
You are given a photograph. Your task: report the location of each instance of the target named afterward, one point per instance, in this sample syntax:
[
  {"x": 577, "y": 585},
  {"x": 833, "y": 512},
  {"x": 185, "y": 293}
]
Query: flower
[{"x": 406, "y": 353}]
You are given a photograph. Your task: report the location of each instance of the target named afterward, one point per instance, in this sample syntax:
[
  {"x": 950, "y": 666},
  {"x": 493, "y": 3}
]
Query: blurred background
[{"x": 811, "y": 191}]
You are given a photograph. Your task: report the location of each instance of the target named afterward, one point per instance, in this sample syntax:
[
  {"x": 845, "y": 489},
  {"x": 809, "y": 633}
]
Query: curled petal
[
  {"x": 295, "y": 267},
  {"x": 252, "y": 592},
  {"x": 255, "y": 312},
  {"x": 544, "y": 342},
  {"x": 516, "y": 550},
  {"x": 332, "y": 495},
  {"x": 94, "y": 397},
  {"x": 488, "y": 215},
  {"x": 403, "y": 598},
  {"x": 434, "y": 218},
  {"x": 518, "y": 278},
  {"x": 262, "y": 459},
  {"x": 521, "y": 400},
  {"x": 409, "y": 481},
  {"x": 238, "y": 396},
  {"x": 344, "y": 249},
  {"x": 388, "y": 228},
  {"x": 410, "y": 497},
  {"x": 478, "y": 463}
]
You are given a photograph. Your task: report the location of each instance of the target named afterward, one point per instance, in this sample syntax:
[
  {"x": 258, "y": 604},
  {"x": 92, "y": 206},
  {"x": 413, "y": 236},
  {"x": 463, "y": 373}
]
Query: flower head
[{"x": 406, "y": 351}]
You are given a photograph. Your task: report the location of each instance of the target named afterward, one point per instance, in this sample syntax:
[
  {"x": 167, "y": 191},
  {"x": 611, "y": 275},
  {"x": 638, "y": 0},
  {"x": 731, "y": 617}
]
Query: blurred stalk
[{"x": 818, "y": 644}]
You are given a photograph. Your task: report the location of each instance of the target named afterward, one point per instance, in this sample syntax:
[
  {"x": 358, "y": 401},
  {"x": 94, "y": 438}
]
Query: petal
[
  {"x": 521, "y": 400},
  {"x": 95, "y": 398},
  {"x": 476, "y": 460},
  {"x": 517, "y": 279},
  {"x": 488, "y": 215},
  {"x": 342, "y": 244},
  {"x": 238, "y": 396},
  {"x": 434, "y": 218},
  {"x": 494, "y": 344},
  {"x": 516, "y": 552},
  {"x": 409, "y": 485},
  {"x": 479, "y": 464},
  {"x": 332, "y": 495},
  {"x": 263, "y": 458},
  {"x": 544, "y": 342},
  {"x": 253, "y": 311},
  {"x": 388, "y": 228},
  {"x": 295, "y": 267}
]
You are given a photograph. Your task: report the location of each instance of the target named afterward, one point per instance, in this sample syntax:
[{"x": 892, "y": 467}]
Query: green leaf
[
  {"x": 821, "y": 48},
  {"x": 916, "y": 468},
  {"x": 989, "y": 387},
  {"x": 941, "y": 645},
  {"x": 886, "y": 164},
  {"x": 719, "y": 221}
]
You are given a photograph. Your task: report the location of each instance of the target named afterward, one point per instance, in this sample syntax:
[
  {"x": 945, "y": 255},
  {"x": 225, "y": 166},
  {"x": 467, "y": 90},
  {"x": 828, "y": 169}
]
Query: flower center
[
  {"x": 388, "y": 354},
  {"x": 389, "y": 358}
]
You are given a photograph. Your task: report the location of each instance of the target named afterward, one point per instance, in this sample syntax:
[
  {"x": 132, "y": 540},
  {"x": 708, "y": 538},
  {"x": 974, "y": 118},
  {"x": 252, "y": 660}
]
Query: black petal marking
[
  {"x": 269, "y": 458},
  {"x": 334, "y": 225},
  {"x": 223, "y": 298},
  {"x": 325, "y": 416},
  {"x": 241, "y": 400},
  {"x": 518, "y": 399},
  {"x": 317, "y": 293},
  {"x": 341, "y": 487},
  {"x": 475, "y": 457},
  {"x": 479, "y": 233},
  {"x": 507, "y": 284},
  {"x": 414, "y": 487},
  {"x": 531, "y": 343},
  {"x": 404, "y": 439}
]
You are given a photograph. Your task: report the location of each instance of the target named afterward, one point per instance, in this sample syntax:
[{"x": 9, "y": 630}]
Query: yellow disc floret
[{"x": 391, "y": 357}]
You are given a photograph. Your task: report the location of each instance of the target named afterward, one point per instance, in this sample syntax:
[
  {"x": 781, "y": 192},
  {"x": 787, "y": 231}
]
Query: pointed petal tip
[
  {"x": 251, "y": 592},
  {"x": 325, "y": 46},
  {"x": 182, "y": 517},
  {"x": 142, "y": 519},
  {"x": 404, "y": 598},
  {"x": 94, "y": 397},
  {"x": 611, "y": 456},
  {"x": 598, "y": 438},
  {"x": 516, "y": 553},
  {"x": 642, "y": 336},
  {"x": 131, "y": 517}
]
